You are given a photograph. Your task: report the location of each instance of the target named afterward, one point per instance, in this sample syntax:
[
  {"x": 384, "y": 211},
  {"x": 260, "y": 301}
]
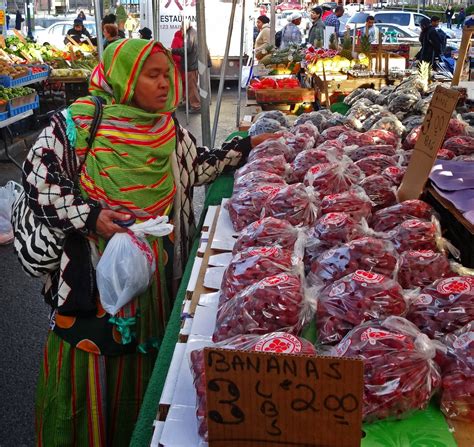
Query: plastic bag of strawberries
[
  {"x": 254, "y": 264},
  {"x": 444, "y": 306},
  {"x": 400, "y": 375},
  {"x": 279, "y": 342},
  {"x": 358, "y": 297},
  {"x": 457, "y": 368},
  {"x": 277, "y": 302}
]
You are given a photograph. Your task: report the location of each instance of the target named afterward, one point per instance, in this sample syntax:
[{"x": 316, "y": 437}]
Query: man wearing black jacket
[
  {"x": 430, "y": 43},
  {"x": 78, "y": 33},
  {"x": 192, "y": 76}
]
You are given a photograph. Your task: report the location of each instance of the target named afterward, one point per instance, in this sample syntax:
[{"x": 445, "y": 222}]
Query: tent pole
[
  {"x": 98, "y": 24},
  {"x": 272, "y": 22},
  {"x": 241, "y": 60},
  {"x": 204, "y": 76},
  {"x": 222, "y": 77},
  {"x": 155, "y": 4},
  {"x": 186, "y": 84}
]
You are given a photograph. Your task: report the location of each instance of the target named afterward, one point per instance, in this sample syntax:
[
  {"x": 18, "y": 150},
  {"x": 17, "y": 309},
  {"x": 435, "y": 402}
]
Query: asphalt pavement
[{"x": 24, "y": 315}]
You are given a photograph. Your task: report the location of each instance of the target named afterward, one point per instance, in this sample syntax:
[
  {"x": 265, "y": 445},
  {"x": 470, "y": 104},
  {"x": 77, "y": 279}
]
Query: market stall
[{"x": 342, "y": 167}]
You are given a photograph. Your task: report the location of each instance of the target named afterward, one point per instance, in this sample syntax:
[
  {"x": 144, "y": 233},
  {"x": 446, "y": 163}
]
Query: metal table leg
[{"x": 5, "y": 132}]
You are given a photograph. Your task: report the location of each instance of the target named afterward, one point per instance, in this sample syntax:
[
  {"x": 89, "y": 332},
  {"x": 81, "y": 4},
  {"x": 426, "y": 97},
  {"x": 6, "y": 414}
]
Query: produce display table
[
  {"x": 73, "y": 87},
  {"x": 427, "y": 428},
  {"x": 221, "y": 188},
  {"x": 344, "y": 86},
  {"x": 5, "y": 133}
]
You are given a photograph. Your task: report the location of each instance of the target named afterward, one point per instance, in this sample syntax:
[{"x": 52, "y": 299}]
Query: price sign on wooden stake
[
  {"x": 430, "y": 140},
  {"x": 19, "y": 35},
  {"x": 257, "y": 399}
]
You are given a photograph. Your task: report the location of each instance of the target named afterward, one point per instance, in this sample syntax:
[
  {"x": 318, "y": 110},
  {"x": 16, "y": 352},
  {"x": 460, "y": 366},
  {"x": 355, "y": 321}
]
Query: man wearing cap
[
  {"x": 78, "y": 33},
  {"x": 263, "y": 38},
  {"x": 291, "y": 34},
  {"x": 316, "y": 32},
  {"x": 333, "y": 19}
]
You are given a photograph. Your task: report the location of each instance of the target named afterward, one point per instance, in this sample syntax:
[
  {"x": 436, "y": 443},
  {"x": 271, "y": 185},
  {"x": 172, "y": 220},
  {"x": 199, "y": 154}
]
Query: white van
[{"x": 406, "y": 20}]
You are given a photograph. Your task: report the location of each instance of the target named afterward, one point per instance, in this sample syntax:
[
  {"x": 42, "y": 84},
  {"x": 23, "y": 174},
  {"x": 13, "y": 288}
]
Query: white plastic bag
[
  {"x": 127, "y": 264},
  {"x": 8, "y": 195}
]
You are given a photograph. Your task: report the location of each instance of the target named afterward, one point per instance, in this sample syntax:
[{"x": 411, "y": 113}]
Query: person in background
[
  {"x": 333, "y": 19},
  {"x": 192, "y": 76},
  {"x": 112, "y": 20},
  {"x": 316, "y": 32},
  {"x": 430, "y": 43},
  {"x": 263, "y": 38},
  {"x": 78, "y": 33},
  {"x": 291, "y": 34},
  {"x": 461, "y": 17},
  {"x": 96, "y": 367},
  {"x": 130, "y": 25},
  {"x": 326, "y": 12},
  {"x": 18, "y": 20},
  {"x": 449, "y": 16},
  {"x": 145, "y": 33},
  {"x": 81, "y": 15},
  {"x": 371, "y": 30},
  {"x": 178, "y": 42},
  {"x": 7, "y": 19},
  {"x": 442, "y": 35},
  {"x": 110, "y": 34}
]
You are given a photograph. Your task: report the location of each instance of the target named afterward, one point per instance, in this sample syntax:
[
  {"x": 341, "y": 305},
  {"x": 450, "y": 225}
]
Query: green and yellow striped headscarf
[{"x": 128, "y": 167}]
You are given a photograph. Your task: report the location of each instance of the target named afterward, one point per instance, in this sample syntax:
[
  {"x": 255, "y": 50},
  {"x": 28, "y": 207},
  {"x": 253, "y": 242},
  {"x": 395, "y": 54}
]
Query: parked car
[
  {"x": 289, "y": 5},
  {"x": 403, "y": 36},
  {"x": 56, "y": 33},
  {"x": 353, "y": 8},
  {"x": 406, "y": 20},
  {"x": 330, "y": 5}
]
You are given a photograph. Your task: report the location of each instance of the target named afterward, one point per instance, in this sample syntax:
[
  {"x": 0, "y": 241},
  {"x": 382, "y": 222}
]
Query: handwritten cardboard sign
[
  {"x": 433, "y": 132},
  {"x": 257, "y": 399}
]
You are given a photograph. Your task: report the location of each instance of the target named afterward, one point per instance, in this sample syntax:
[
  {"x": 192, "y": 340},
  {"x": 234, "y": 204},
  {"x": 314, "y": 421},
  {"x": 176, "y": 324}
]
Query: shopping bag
[
  {"x": 247, "y": 73},
  {"x": 127, "y": 265},
  {"x": 8, "y": 194}
]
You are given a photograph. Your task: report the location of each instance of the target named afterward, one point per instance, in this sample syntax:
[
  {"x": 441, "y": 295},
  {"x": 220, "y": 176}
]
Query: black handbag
[{"x": 38, "y": 246}]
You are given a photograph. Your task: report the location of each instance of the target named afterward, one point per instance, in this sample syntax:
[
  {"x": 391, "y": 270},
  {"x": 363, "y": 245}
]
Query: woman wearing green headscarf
[{"x": 141, "y": 164}]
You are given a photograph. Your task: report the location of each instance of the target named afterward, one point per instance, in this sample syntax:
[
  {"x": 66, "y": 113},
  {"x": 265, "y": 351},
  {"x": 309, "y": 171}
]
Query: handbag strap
[{"x": 98, "y": 112}]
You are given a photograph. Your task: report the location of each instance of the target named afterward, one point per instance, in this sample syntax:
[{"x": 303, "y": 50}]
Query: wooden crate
[{"x": 285, "y": 96}]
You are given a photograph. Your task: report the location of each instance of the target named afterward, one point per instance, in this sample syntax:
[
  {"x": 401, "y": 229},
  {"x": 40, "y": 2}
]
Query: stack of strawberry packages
[{"x": 322, "y": 240}]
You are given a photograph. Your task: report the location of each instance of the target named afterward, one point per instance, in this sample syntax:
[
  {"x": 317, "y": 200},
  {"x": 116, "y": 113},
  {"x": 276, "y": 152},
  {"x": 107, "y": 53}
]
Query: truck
[{"x": 173, "y": 12}]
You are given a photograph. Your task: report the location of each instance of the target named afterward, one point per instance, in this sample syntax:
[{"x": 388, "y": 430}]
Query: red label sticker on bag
[
  {"x": 367, "y": 277},
  {"x": 455, "y": 285},
  {"x": 282, "y": 343},
  {"x": 372, "y": 335}
]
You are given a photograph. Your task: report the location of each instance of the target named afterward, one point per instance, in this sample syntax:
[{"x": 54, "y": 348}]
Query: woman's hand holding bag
[{"x": 128, "y": 263}]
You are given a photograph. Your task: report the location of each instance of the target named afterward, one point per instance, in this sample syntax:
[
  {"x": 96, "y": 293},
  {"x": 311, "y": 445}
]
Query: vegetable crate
[
  {"x": 7, "y": 81},
  {"x": 23, "y": 106},
  {"x": 41, "y": 75},
  {"x": 286, "y": 96},
  {"x": 3, "y": 116}
]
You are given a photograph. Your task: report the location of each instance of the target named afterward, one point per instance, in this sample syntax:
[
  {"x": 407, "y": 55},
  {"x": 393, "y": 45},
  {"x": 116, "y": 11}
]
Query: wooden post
[
  {"x": 379, "y": 54},
  {"x": 466, "y": 37},
  {"x": 326, "y": 90},
  {"x": 387, "y": 62}
]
